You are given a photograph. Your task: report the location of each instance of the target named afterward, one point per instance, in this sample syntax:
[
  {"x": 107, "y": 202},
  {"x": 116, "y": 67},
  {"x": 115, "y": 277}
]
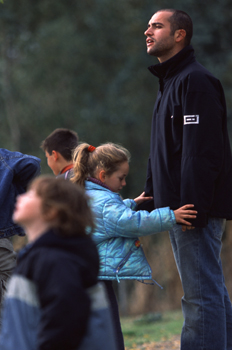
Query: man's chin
[{"x": 151, "y": 52}]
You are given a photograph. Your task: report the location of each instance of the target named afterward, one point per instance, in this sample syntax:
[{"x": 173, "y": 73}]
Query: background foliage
[{"x": 83, "y": 65}]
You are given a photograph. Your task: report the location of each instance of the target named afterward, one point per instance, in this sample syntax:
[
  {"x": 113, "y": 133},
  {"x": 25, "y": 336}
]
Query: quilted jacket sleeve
[
  {"x": 130, "y": 203},
  {"x": 119, "y": 220}
]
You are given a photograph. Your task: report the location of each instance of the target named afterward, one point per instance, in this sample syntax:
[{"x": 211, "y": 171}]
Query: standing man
[{"x": 190, "y": 162}]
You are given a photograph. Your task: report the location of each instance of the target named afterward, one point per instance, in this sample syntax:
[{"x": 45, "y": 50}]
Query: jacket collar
[
  {"x": 52, "y": 238},
  {"x": 89, "y": 185},
  {"x": 66, "y": 168},
  {"x": 98, "y": 182},
  {"x": 168, "y": 68}
]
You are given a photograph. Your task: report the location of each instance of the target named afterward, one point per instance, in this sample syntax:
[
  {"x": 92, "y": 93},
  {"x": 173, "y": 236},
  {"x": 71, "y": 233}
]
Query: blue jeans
[{"x": 206, "y": 305}]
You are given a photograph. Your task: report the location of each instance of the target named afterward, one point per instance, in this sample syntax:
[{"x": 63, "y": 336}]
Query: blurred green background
[{"x": 82, "y": 64}]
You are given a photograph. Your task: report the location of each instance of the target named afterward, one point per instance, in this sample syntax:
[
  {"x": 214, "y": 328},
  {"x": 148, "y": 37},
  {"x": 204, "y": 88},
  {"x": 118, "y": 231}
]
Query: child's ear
[
  {"x": 50, "y": 214},
  {"x": 55, "y": 155},
  {"x": 102, "y": 175}
]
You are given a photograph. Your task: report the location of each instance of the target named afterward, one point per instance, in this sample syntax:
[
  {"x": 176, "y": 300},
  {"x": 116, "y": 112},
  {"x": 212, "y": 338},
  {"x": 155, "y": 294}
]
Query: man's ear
[
  {"x": 102, "y": 175},
  {"x": 180, "y": 35}
]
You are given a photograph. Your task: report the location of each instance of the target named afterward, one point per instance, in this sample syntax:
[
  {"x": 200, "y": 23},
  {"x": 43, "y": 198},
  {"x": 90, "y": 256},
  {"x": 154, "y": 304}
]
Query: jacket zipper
[{"x": 125, "y": 259}]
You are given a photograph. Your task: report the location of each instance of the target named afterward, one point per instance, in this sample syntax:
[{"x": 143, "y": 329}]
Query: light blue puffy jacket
[{"x": 118, "y": 227}]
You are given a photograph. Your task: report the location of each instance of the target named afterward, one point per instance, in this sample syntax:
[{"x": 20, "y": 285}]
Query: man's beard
[{"x": 161, "y": 48}]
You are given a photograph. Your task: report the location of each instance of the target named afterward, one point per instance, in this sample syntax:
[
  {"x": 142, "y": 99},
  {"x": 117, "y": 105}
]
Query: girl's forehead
[{"x": 124, "y": 167}]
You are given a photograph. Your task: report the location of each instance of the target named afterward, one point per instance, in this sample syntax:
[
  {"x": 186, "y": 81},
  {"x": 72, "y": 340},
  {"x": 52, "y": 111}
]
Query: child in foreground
[
  {"x": 102, "y": 171},
  {"x": 54, "y": 300}
]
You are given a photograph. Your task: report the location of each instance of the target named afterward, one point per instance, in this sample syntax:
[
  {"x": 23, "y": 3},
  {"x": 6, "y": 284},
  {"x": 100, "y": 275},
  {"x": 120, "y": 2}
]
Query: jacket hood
[
  {"x": 82, "y": 249},
  {"x": 174, "y": 64}
]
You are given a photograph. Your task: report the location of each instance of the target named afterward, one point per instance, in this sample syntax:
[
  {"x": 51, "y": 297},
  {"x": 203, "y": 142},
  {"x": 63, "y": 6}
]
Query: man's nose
[{"x": 147, "y": 32}]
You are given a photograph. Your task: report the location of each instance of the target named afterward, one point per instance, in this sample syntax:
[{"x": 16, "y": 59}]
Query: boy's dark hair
[
  {"x": 70, "y": 203},
  {"x": 61, "y": 140},
  {"x": 180, "y": 20}
]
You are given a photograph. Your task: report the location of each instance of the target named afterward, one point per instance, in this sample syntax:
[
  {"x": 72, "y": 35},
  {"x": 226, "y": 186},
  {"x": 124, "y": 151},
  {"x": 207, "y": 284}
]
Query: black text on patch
[{"x": 191, "y": 119}]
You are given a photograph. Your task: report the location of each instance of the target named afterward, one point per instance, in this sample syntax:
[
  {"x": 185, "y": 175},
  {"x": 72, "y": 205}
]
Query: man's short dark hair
[
  {"x": 180, "y": 20},
  {"x": 61, "y": 140}
]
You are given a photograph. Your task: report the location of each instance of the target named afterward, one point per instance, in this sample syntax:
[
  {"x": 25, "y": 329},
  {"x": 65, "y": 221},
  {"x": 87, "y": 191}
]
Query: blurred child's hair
[
  {"x": 108, "y": 156},
  {"x": 61, "y": 140},
  {"x": 69, "y": 200}
]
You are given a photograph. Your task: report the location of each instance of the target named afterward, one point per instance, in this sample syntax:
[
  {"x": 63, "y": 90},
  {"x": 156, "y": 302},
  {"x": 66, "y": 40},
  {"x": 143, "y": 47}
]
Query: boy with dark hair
[{"x": 58, "y": 148}]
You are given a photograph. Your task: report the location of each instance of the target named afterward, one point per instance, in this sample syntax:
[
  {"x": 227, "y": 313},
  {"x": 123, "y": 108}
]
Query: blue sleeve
[
  {"x": 25, "y": 168},
  {"x": 130, "y": 203},
  {"x": 119, "y": 220}
]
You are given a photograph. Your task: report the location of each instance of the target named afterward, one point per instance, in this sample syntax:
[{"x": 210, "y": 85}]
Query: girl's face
[
  {"x": 28, "y": 209},
  {"x": 116, "y": 181}
]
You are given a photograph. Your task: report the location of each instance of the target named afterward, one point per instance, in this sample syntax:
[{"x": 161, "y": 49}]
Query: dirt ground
[{"x": 171, "y": 344}]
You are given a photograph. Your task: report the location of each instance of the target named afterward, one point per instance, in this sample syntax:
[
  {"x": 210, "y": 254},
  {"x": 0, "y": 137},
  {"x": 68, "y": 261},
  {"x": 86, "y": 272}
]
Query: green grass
[{"x": 151, "y": 327}]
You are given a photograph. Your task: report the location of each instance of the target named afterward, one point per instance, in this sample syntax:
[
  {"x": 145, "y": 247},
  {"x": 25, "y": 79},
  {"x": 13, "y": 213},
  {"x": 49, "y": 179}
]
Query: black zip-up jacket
[{"x": 190, "y": 158}]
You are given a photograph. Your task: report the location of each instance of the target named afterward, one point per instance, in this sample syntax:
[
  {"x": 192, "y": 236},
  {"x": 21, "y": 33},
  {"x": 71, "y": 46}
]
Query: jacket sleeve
[
  {"x": 130, "y": 203},
  {"x": 119, "y": 220},
  {"x": 202, "y": 147},
  {"x": 25, "y": 168},
  {"x": 65, "y": 306}
]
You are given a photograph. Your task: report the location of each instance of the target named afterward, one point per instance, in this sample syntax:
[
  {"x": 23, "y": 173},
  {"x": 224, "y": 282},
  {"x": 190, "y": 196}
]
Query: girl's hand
[
  {"x": 140, "y": 199},
  {"x": 184, "y": 213}
]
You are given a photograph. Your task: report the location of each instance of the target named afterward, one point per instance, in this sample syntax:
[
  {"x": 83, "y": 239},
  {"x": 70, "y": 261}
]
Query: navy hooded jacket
[
  {"x": 54, "y": 301},
  {"x": 190, "y": 158}
]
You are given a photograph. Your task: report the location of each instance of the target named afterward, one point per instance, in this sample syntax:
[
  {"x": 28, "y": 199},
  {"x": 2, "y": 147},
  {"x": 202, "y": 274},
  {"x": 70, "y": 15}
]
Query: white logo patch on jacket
[{"x": 191, "y": 119}]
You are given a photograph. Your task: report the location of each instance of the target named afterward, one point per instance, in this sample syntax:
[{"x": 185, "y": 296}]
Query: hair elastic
[{"x": 91, "y": 148}]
